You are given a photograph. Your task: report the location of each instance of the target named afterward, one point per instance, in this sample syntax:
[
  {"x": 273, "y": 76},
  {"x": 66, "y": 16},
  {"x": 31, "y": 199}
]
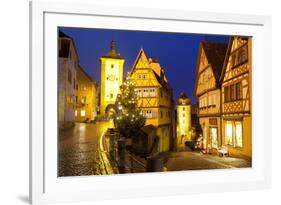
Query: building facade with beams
[
  {"x": 236, "y": 97},
  {"x": 183, "y": 121},
  {"x": 155, "y": 98},
  {"x": 208, "y": 91},
  {"x": 68, "y": 61},
  {"x": 111, "y": 80},
  {"x": 86, "y": 100}
]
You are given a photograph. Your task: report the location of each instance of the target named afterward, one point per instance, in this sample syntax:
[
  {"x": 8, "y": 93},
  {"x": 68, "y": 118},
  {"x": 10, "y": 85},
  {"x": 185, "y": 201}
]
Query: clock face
[
  {"x": 111, "y": 86},
  {"x": 111, "y": 77}
]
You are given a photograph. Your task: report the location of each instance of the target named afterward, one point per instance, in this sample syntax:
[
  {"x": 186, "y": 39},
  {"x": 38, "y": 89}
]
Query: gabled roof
[
  {"x": 141, "y": 51},
  {"x": 215, "y": 54},
  {"x": 65, "y": 46},
  {"x": 226, "y": 59},
  {"x": 80, "y": 69},
  {"x": 63, "y": 35},
  {"x": 161, "y": 79}
]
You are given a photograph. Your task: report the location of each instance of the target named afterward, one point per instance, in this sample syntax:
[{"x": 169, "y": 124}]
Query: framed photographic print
[{"x": 128, "y": 102}]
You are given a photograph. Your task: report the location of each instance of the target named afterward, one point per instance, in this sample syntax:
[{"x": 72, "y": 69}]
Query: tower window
[{"x": 112, "y": 66}]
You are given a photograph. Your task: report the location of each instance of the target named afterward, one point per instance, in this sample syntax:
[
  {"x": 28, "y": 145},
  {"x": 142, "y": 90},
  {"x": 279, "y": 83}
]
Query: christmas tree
[{"x": 129, "y": 119}]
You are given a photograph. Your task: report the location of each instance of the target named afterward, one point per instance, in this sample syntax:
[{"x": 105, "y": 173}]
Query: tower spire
[
  {"x": 112, "y": 45},
  {"x": 112, "y": 52}
]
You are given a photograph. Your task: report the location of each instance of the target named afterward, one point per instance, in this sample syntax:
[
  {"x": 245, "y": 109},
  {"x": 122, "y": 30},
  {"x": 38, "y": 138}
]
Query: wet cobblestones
[{"x": 78, "y": 149}]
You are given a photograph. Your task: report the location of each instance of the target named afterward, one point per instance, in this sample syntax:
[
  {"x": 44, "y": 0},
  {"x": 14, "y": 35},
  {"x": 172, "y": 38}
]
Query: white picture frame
[{"x": 46, "y": 187}]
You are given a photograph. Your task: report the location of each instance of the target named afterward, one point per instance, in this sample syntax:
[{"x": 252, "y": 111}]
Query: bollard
[
  {"x": 121, "y": 155},
  {"x": 154, "y": 164}
]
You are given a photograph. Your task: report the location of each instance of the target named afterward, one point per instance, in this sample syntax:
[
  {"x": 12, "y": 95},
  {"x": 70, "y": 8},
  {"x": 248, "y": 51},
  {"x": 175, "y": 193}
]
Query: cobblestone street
[
  {"x": 180, "y": 161},
  {"x": 78, "y": 149},
  {"x": 79, "y": 154}
]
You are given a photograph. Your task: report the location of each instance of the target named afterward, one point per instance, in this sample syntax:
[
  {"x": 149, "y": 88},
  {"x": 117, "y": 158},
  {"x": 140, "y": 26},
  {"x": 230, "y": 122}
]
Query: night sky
[{"x": 176, "y": 52}]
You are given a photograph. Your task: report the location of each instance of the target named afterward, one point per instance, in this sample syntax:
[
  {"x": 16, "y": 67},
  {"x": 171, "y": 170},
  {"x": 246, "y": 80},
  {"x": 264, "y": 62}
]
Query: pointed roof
[
  {"x": 80, "y": 69},
  {"x": 183, "y": 99},
  {"x": 143, "y": 62},
  {"x": 141, "y": 55},
  {"x": 215, "y": 53},
  {"x": 65, "y": 46},
  {"x": 112, "y": 52},
  {"x": 226, "y": 59}
]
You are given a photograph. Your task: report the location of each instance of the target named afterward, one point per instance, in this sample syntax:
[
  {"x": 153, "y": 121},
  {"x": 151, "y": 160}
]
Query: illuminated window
[
  {"x": 75, "y": 113},
  {"x": 210, "y": 100},
  {"x": 234, "y": 133},
  {"x": 152, "y": 92},
  {"x": 138, "y": 92},
  {"x": 238, "y": 134},
  {"x": 83, "y": 113},
  {"x": 148, "y": 114},
  {"x": 214, "y": 99},
  {"x": 145, "y": 92},
  {"x": 214, "y": 137},
  {"x": 83, "y": 99},
  {"x": 228, "y": 132}
]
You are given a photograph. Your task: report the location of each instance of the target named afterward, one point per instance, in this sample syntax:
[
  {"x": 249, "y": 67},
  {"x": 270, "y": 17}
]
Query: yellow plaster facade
[{"x": 86, "y": 101}]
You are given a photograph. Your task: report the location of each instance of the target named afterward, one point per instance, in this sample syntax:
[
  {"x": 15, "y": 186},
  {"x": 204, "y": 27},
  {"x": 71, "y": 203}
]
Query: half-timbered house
[
  {"x": 207, "y": 89},
  {"x": 155, "y": 97},
  {"x": 236, "y": 97}
]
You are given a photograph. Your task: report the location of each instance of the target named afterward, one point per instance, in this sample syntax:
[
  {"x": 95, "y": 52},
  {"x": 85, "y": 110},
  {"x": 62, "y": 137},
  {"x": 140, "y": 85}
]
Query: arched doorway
[{"x": 110, "y": 111}]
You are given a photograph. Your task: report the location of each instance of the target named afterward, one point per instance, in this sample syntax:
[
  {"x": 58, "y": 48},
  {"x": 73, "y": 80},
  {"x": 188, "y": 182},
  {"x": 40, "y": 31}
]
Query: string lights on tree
[{"x": 129, "y": 119}]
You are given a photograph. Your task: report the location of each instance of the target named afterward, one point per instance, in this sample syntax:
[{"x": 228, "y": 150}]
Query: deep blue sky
[{"x": 176, "y": 52}]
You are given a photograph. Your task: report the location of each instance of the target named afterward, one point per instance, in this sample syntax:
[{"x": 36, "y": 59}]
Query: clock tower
[{"x": 111, "y": 79}]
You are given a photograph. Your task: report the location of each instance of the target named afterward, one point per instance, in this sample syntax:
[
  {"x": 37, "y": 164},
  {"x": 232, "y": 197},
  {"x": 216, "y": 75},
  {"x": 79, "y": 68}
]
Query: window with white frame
[
  {"x": 146, "y": 92},
  {"x": 234, "y": 133},
  {"x": 83, "y": 113},
  {"x": 214, "y": 100},
  {"x": 152, "y": 92},
  {"x": 149, "y": 113},
  {"x": 210, "y": 100},
  {"x": 228, "y": 132}
]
